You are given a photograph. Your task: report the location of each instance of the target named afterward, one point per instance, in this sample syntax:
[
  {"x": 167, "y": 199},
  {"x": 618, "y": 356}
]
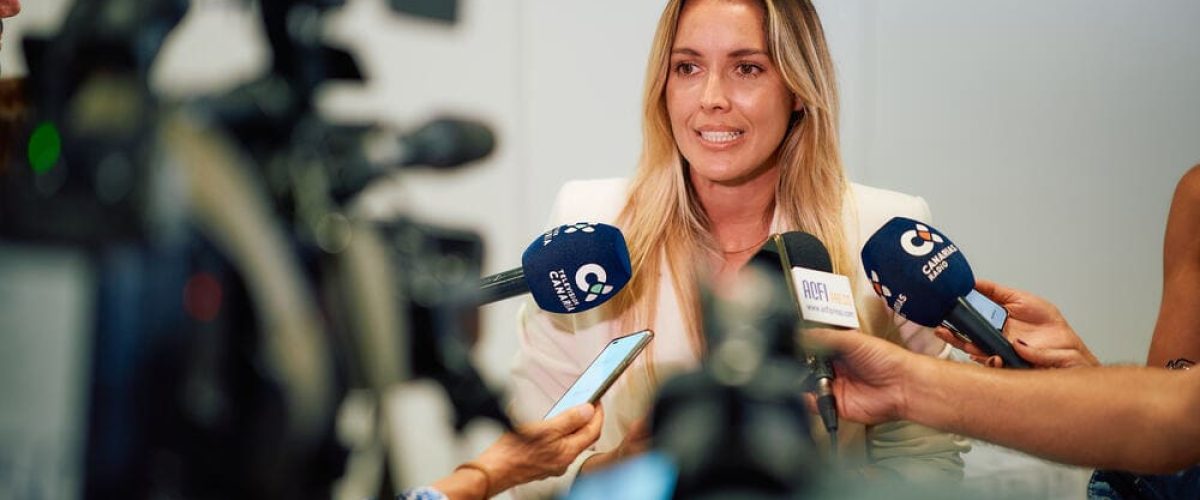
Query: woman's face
[{"x": 728, "y": 105}]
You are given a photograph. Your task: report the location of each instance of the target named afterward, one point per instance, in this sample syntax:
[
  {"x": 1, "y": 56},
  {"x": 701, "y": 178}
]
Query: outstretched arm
[{"x": 1132, "y": 418}]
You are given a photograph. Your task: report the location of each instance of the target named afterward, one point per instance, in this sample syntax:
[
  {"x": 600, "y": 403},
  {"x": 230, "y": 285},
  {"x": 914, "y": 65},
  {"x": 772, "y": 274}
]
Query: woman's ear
[{"x": 797, "y": 103}]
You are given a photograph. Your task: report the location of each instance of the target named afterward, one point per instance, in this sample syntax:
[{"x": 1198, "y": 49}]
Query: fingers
[
  {"x": 999, "y": 293},
  {"x": 824, "y": 340},
  {"x": 1050, "y": 357},
  {"x": 589, "y": 433},
  {"x": 989, "y": 361},
  {"x": 586, "y": 435},
  {"x": 810, "y": 401},
  {"x": 957, "y": 342}
]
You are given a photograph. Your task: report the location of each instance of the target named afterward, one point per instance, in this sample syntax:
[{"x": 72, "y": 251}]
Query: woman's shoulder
[
  {"x": 870, "y": 207},
  {"x": 873, "y": 198},
  {"x": 593, "y": 200}
]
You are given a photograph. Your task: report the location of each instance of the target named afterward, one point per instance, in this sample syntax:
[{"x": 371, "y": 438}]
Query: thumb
[
  {"x": 584, "y": 436},
  {"x": 825, "y": 341},
  {"x": 572, "y": 419},
  {"x": 995, "y": 291}
]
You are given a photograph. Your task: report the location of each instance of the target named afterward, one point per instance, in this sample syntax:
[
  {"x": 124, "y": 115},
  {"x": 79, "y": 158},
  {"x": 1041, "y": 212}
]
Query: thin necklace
[{"x": 751, "y": 247}]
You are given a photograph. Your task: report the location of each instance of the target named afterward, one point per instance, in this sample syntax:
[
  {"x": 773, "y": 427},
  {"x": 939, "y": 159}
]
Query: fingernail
[{"x": 1022, "y": 342}]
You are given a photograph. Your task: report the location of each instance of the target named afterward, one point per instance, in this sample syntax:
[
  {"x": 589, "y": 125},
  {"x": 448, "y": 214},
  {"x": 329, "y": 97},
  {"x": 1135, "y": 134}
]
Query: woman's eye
[
  {"x": 685, "y": 68},
  {"x": 747, "y": 69}
]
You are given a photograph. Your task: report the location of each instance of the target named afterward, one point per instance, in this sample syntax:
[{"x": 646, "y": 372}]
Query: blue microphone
[
  {"x": 924, "y": 277},
  {"x": 568, "y": 269}
]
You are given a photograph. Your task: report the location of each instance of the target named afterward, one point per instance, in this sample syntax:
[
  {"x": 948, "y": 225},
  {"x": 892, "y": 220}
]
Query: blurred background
[{"x": 1046, "y": 136}]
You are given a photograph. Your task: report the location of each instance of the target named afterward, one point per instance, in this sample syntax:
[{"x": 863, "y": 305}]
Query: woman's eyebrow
[{"x": 735, "y": 53}]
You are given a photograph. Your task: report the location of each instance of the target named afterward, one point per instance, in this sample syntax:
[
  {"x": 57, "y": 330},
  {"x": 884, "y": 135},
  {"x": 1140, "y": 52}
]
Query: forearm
[{"x": 1131, "y": 418}]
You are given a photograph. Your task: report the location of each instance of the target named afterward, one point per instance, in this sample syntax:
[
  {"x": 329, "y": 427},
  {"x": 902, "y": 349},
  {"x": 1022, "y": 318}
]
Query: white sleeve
[
  {"x": 550, "y": 354},
  {"x": 548, "y": 362}
]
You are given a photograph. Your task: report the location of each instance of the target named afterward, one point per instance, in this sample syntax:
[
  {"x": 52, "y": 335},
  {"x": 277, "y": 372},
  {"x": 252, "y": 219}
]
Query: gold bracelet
[{"x": 487, "y": 477}]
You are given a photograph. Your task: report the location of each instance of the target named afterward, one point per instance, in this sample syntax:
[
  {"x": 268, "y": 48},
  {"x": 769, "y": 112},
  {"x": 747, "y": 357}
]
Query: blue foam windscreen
[
  {"x": 576, "y": 267},
  {"x": 917, "y": 270}
]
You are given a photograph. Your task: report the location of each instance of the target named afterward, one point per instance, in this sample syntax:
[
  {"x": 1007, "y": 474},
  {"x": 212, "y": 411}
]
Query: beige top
[{"x": 555, "y": 349}]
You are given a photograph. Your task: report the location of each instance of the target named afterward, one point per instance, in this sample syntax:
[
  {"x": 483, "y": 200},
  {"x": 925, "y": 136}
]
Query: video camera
[{"x": 232, "y": 299}]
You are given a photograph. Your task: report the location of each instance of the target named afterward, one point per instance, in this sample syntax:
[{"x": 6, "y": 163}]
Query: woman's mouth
[{"x": 720, "y": 137}]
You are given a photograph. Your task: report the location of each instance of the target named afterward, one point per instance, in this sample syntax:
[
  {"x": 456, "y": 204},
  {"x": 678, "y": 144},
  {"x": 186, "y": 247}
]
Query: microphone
[
  {"x": 820, "y": 297},
  {"x": 568, "y": 269},
  {"x": 443, "y": 142},
  {"x": 924, "y": 277}
]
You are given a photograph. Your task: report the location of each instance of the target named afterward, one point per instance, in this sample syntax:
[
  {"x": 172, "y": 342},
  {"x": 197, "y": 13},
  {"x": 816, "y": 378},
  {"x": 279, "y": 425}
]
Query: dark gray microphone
[
  {"x": 800, "y": 249},
  {"x": 441, "y": 143}
]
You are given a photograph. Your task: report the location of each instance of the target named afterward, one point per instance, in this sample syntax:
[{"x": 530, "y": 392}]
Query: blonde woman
[{"x": 740, "y": 141}]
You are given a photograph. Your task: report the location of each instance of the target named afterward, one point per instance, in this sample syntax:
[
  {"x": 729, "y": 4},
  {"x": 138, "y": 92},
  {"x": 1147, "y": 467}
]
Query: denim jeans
[{"x": 1118, "y": 485}]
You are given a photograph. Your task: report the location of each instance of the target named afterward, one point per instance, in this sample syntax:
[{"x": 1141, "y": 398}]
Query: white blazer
[{"x": 555, "y": 349}]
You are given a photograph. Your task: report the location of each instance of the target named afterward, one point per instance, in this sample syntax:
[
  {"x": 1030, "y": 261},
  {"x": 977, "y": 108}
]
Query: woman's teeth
[{"x": 720, "y": 136}]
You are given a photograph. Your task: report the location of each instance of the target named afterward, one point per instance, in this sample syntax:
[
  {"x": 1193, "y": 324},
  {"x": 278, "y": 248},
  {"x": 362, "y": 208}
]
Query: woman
[{"x": 740, "y": 141}]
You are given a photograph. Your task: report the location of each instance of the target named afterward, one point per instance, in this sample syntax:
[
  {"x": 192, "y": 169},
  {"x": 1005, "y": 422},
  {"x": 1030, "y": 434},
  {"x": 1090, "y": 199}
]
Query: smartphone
[
  {"x": 603, "y": 371},
  {"x": 994, "y": 313}
]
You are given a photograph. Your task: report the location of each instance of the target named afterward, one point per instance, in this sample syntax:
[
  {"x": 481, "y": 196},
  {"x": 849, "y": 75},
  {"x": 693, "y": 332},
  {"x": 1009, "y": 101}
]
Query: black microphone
[
  {"x": 568, "y": 269},
  {"x": 443, "y": 142},
  {"x": 797, "y": 249}
]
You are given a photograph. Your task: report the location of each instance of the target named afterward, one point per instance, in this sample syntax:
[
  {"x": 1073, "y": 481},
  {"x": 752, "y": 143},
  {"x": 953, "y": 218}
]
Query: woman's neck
[{"x": 739, "y": 217}]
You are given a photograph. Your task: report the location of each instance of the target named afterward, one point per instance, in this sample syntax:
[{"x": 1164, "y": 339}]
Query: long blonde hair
[{"x": 662, "y": 220}]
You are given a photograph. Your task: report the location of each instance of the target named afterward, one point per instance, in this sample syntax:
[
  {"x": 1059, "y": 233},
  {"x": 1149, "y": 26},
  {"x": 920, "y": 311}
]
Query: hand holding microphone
[
  {"x": 821, "y": 299},
  {"x": 924, "y": 277},
  {"x": 872, "y": 374}
]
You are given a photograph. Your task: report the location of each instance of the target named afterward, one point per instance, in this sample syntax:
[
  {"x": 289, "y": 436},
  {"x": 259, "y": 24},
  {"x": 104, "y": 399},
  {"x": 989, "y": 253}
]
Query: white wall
[{"x": 1047, "y": 136}]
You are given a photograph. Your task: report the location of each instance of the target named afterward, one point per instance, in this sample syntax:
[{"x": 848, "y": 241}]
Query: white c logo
[
  {"x": 922, "y": 233},
  {"x": 596, "y": 289}
]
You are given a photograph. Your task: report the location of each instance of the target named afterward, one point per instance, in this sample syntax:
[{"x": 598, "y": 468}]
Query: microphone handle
[
  {"x": 822, "y": 368},
  {"x": 969, "y": 322},
  {"x": 502, "y": 286}
]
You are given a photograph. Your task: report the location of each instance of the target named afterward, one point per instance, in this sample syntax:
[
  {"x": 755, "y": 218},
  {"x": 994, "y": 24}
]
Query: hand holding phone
[
  {"x": 603, "y": 371},
  {"x": 1039, "y": 332},
  {"x": 994, "y": 313}
]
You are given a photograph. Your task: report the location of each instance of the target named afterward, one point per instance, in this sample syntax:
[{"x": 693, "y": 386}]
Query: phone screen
[
  {"x": 603, "y": 371},
  {"x": 994, "y": 313}
]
